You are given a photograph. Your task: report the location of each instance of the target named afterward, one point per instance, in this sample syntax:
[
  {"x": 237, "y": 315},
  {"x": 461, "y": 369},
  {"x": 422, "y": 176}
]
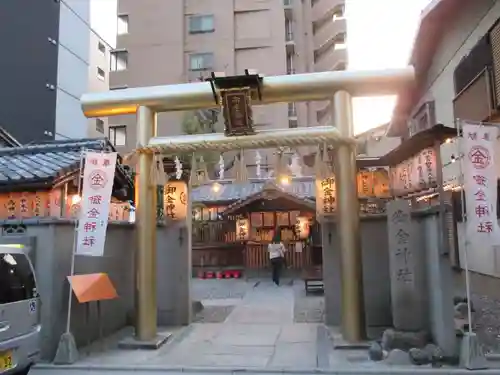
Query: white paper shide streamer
[
  {"x": 98, "y": 176},
  {"x": 480, "y": 188},
  {"x": 258, "y": 161},
  {"x": 178, "y": 168},
  {"x": 221, "y": 167}
]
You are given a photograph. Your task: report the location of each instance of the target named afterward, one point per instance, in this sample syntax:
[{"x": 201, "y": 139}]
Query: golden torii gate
[{"x": 338, "y": 86}]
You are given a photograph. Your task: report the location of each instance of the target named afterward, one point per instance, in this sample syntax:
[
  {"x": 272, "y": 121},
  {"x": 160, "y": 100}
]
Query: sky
[
  {"x": 380, "y": 35},
  {"x": 103, "y": 17}
]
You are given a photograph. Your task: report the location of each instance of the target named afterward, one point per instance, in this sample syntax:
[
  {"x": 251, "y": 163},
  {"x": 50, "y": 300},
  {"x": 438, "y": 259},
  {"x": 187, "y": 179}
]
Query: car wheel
[{"x": 24, "y": 371}]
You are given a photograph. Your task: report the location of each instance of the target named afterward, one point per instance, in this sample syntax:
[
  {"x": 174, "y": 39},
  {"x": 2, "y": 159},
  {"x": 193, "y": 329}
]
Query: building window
[
  {"x": 99, "y": 125},
  {"x": 119, "y": 60},
  {"x": 121, "y": 87},
  {"x": 118, "y": 135},
  {"x": 101, "y": 74},
  {"x": 122, "y": 24},
  {"x": 339, "y": 14},
  {"x": 293, "y": 123},
  {"x": 341, "y": 42},
  {"x": 201, "y": 61},
  {"x": 101, "y": 47},
  {"x": 201, "y": 24}
]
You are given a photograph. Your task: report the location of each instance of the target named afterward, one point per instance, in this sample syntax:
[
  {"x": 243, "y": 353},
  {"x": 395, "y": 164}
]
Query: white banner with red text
[
  {"x": 480, "y": 188},
  {"x": 98, "y": 176}
]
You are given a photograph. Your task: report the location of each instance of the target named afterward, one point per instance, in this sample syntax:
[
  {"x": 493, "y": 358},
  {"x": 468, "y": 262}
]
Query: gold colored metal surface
[
  {"x": 353, "y": 319},
  {"x": 286, "y": 88},
  {"x": 262, "y": 139},
  {"x": 145, "y": 223}
]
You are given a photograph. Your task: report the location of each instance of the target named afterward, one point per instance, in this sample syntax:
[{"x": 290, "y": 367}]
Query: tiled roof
[
  {"x": 231, "y": 191},
  {"x": 45, "y": 164}
]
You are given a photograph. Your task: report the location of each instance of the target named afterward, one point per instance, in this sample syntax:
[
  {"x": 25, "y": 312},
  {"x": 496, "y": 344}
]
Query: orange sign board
[{"x": 92, "y": 287}]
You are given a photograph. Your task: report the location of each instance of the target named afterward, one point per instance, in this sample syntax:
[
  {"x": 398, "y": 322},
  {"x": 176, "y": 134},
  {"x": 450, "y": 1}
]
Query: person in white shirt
[{"x": 276, "y": 251}]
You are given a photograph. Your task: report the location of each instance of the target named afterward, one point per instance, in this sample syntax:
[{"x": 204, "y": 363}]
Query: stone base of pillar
[
  {"x": 132, "y": 343},
  {"x": 340, "y": 343}
]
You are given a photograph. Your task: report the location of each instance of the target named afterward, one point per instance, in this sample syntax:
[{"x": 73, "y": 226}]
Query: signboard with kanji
[
  {"x": 325, "y": 197},
  {"x": 98, "y": 176},
  {"x": 175, "y": 200},
  {"x": 237, "y": 112},
  {"x": 242, "y": 229}
]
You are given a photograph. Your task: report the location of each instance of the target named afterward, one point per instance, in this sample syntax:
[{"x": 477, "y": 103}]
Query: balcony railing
[
  {"x": 289, "y": 36},
  {"x": 287, "y": 3},
  {"x": 290, "y": 71},
  {"x": 292, "y": 110}
]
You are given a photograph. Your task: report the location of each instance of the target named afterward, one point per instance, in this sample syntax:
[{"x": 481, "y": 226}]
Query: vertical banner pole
[
  {"x": 464, "y": 222},
  {"x": 75, "y": 239}
]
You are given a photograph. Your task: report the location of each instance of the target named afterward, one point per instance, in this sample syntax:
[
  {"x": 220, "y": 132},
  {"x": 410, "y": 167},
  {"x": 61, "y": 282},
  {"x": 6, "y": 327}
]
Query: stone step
[{"x": 348, "y": 370}]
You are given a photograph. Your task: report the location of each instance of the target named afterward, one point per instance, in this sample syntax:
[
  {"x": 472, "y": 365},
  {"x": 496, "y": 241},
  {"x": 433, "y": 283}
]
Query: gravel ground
[
  {"x": 486, "y": 302},
  {"x": 213, "y": 314},
  {"x": 487, "y": 321},
  {"x": 308, "y": 309}
]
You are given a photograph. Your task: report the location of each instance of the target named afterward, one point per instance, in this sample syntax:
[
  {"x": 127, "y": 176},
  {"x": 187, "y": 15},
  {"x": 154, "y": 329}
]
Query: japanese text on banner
[
  {"x": 98, "y": 176},
  {"x": 480, "y": 184},
  {"x": 325, "y": 197}
]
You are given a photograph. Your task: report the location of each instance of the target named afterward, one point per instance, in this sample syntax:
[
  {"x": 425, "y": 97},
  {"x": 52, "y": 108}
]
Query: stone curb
[{"x": 221, "y": 370}]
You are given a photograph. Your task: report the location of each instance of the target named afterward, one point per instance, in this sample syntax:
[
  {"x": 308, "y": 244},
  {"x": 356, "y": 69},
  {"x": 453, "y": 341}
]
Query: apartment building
[
  {"x": 167, "y": 42},
  {"x": 52, "y": 55}
]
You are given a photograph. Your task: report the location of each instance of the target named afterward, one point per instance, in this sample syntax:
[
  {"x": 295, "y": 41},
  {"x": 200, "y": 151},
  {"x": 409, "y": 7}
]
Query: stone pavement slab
[{"x": 294, "y": 355}]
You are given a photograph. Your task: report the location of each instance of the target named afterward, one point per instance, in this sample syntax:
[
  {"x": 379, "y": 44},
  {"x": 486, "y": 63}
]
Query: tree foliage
[{"x": 205, "y": 122}]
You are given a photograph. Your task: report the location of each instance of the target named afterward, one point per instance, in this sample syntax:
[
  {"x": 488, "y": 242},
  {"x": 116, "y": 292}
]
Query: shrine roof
[
  {"x": 303, "y": 188},
  {"x": 49, "y": 164},
  {"x": 270, "y": 191}
]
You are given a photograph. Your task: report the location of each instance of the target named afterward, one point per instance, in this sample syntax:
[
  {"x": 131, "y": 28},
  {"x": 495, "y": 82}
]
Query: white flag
[
  {"x": 480, "y": 184},
  {"x": 98, "y": 176}
]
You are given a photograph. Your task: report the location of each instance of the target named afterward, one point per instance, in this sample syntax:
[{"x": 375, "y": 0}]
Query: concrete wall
[
  {"x": 376, "y": 277},
  {"x": 52, "y": 247}
]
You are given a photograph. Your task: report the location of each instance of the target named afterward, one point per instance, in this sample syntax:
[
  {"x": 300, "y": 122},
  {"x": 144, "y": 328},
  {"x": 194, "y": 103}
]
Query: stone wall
[
  {"x": 376, "y": 278},
  {"x": 438, "y": 285},
  {"x": 51, "y": 243}
]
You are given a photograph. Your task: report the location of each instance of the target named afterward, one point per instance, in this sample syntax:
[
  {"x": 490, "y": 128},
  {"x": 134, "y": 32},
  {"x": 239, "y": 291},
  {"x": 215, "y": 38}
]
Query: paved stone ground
[
  {"x": 247, "y": 325},
  {"x": 307, "y": 309}
]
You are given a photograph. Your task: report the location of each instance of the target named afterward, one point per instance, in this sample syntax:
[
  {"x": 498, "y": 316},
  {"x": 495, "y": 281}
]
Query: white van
[{"x": 19, "y": 312}]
